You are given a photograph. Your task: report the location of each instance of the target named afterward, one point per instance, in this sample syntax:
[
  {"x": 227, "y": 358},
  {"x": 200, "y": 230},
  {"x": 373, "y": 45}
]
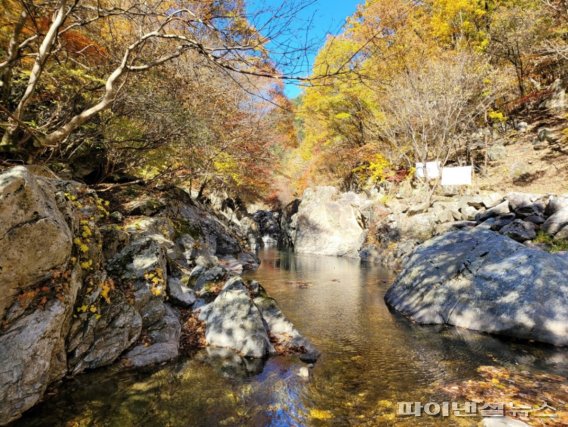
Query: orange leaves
[{"x": 39, "y": 296}]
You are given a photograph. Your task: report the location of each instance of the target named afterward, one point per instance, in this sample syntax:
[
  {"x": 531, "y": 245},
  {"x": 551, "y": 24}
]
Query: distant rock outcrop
[{"x": 331, "y": 223}]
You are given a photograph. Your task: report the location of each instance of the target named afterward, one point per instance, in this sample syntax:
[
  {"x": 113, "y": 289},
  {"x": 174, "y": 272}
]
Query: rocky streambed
[
  {"x": 485, "y": 261},
  {"x": 133, "y": 278}
]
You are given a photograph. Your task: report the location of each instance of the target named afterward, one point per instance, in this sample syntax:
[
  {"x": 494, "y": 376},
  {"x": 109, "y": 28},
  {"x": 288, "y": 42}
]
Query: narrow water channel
[{"x": 371, "y": 359}]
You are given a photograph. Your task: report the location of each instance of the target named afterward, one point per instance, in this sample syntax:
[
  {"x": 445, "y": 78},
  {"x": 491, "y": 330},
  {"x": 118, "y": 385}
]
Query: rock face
[
  {"x": 35, "y": 240},
  {"x": 268, "y": 225},
  {"x": 484, "y": 281},
  {"x": 288, "y": 224},
  {"x": 34, "y": 235},
  {"x": 330, "y": 223},
  {"x": 83, "y": 288},
  {"x": 33, "y": 356},
  {"x": 99, "y": 342}
]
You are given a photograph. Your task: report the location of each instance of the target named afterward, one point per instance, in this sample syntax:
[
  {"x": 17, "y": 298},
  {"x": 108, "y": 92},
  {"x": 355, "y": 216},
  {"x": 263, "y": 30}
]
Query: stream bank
[
  {"x": 134, "y": 278},
  {"x": 371, "y": 359}
]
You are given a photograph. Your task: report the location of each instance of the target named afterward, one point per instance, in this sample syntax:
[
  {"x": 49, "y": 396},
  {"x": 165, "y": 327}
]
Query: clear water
[{"x": 371, "y": 359}]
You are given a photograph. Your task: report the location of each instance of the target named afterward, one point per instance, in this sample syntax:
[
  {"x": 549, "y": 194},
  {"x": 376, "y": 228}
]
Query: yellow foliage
[
  {"x": 319, "y": 414},
  {"x": 106, "y": 288},
  {"x": 496, "y": 116}
]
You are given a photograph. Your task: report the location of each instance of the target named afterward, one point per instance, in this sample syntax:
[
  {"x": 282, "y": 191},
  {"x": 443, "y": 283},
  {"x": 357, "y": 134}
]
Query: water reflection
[{"x": 370, "y": 359}]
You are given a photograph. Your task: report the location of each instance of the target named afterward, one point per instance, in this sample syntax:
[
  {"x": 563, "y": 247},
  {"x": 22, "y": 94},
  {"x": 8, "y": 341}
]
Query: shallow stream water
[{"x": 371, "y": 359}]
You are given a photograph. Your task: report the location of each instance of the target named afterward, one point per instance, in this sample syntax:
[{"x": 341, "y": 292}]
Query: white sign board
[
  {"x": 457, "y": 176},
  {"x": 432, "y": 170}
]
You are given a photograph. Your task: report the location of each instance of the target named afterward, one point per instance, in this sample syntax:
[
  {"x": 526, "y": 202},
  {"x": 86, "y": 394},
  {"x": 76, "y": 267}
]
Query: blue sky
[{"x": 309, "y": 27}]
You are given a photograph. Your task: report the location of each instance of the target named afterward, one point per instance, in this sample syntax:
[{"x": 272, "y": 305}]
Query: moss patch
[{"x": 552, "y": 244}]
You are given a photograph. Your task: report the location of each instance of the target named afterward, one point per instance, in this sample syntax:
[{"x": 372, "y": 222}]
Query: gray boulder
[
  {"x": 330, "y": 223},
  {"x": 557, "y": 101},
  {"x": 497, "y": 152},
  {"x": 487, "y": 200},
  {"x": 487, "y": 282},
  {"x": 164, "y": 338},
  {"x": 179, "y": 294},
  {"x": 520, "y": 230},
  {"x": 556, "y": 222},
  {"x": 556, "y": 204},
  {"x": 499, "y": 210},
  {"x": 562, "y": 234},
  {"x": 499, "y": 222},
  {"x": 418, "y": 227},
  {"x": 211, "y": 276},
  {"x": 34, "y": 237},
  {"x": 94, "y": 343},
  {"x": 468, "y": 212},
  {"x": 233, "y": 321},
  {"x": 283, "y": 331},
  {"x": 33, "y": 354}
]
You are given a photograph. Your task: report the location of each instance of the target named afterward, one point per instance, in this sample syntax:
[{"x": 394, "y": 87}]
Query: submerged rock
[{"x": 484, "y": 281}]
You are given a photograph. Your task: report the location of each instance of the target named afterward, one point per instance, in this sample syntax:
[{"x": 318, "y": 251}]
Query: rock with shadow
[
  {"x": 244, "y": 319},
  {"x": 233, "y": 321},
  {"x": 481, "y": 280}
]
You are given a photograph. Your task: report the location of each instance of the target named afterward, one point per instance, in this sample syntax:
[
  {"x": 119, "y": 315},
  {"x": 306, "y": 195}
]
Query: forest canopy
[
  {"x": 189, "y": 91},
  {"x": 423, "y": 77}
]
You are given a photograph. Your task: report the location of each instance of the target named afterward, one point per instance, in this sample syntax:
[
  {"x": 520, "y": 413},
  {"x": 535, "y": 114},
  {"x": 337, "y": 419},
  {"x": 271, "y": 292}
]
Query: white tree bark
[
  {"x": 59, "y": 135},
  {"x": 43, "y": 53}
]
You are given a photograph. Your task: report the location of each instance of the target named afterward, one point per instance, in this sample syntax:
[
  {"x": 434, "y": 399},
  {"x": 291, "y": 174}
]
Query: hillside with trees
[
  {"x": 230, "y": 213},
  {"x": 428, "y": 81}
]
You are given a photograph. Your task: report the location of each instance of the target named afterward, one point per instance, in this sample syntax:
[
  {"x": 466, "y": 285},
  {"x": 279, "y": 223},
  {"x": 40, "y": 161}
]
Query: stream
[{"x": 371, "y": 359}]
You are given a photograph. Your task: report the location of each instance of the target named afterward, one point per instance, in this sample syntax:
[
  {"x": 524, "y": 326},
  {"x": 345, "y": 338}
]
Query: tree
[
  {"x": 430, "y": 107},
  {"x": 133, "y": 37},
  {"x": 517, "y": 32}
]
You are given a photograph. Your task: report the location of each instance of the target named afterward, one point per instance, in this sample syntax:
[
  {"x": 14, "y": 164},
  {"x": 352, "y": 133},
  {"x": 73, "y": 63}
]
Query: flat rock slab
[{"x": 484, "y": 281}]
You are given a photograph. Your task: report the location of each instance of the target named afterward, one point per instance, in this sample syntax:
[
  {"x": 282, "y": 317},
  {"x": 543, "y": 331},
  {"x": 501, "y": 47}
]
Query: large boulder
[
  {"x": 96, "y": 341},
  {"x": 34, "y": 237},
  {"x": 330, "y": 223},
  {"x": 33, "y": 353},
  {"x": 487, "y": 282},
  {"x": 233, "y": 321}
]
